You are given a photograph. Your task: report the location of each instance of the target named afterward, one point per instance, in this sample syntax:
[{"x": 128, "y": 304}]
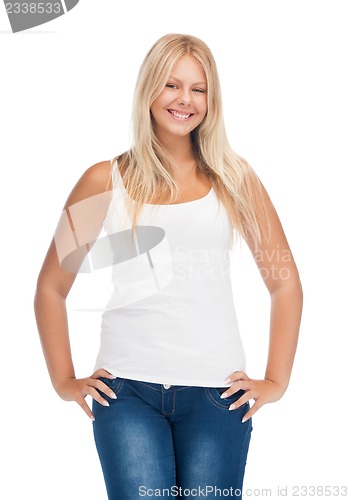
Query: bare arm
[
  {"x": 53, "y": 286},
  {"x": 280, "y": 275}
]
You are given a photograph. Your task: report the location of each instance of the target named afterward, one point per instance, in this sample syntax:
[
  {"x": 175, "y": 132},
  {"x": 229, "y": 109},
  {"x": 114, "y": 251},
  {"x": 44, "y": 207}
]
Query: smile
[{"x": 179, "y": 116}]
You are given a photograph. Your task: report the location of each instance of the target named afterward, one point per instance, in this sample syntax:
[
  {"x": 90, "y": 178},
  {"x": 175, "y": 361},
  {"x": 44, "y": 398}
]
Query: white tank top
[{"x": 171, "y": 317}]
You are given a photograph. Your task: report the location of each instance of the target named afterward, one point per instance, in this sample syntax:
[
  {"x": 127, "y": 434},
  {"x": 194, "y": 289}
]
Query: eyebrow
[{"x": 179, "y": 81}]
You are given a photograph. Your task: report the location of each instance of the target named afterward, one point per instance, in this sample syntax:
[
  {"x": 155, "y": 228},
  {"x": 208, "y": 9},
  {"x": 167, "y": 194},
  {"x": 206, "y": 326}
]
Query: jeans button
[{"x": 166, "y": 386}]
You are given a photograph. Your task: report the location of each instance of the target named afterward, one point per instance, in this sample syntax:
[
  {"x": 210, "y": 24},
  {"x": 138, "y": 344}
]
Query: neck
[{"x": 181, "y": 151}]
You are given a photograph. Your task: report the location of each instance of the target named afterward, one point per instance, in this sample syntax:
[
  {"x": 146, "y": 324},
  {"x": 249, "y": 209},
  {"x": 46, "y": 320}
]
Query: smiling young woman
[
  {"x": 170, "y": 343},
  {"x": 182, "y": 104}
]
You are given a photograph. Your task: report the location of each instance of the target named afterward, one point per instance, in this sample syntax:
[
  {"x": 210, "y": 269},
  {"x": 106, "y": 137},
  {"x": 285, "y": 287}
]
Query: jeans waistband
[{"x": 161, "y": 387}]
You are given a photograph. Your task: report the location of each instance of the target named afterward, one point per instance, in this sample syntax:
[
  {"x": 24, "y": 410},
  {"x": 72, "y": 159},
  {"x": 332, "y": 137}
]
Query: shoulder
[{"x": 95, "y": 180}]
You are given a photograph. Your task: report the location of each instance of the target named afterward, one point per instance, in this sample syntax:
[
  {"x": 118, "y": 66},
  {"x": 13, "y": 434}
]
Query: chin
[{"x": 181, "y": 131}]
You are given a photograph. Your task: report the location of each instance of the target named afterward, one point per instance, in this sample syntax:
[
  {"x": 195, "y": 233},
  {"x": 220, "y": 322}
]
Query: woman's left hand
[{"x": 262, "y": 391}]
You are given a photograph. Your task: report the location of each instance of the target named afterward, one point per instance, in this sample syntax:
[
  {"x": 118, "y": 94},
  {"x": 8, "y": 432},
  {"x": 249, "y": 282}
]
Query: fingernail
[
  {"x": 227, "y": 380},
  {"x": 92, "y": 418},
  {"x": 232, "y": 407},
  {"x": 113, "y": 396},
  {"x": 105, "y": 403},
  {"x": 244, "y": 420},
  {"x": 224, "y": 395}
]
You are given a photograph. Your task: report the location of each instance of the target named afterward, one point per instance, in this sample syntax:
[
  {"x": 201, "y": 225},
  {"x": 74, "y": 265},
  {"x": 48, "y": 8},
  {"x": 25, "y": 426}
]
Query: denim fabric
[{"x": 175, "y": 442}]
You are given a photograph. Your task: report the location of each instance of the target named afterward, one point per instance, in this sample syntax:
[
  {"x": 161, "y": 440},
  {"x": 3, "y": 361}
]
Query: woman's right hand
[{"x": 76, "y": 389}]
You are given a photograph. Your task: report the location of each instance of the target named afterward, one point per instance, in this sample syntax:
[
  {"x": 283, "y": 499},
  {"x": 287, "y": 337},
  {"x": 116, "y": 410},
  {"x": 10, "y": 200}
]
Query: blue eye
[{"x": 200, "y": 91}]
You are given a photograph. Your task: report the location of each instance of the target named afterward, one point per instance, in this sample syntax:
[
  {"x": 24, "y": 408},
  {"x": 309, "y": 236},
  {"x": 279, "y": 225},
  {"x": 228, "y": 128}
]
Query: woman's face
[{"x": 182, "y": 104}]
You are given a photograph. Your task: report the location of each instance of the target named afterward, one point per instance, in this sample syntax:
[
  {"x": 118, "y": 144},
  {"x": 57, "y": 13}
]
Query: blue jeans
[{"x": 175, "y": 441}]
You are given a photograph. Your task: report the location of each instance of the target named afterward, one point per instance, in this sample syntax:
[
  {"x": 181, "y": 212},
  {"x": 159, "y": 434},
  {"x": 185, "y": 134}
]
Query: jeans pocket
[
  {"x": 214, "y": 396},
  {"x": 115, "y": 384}
]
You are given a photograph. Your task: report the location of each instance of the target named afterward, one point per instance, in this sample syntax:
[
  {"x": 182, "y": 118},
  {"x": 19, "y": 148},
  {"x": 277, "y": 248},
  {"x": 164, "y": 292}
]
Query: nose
[{"x": 184, "y": 97}]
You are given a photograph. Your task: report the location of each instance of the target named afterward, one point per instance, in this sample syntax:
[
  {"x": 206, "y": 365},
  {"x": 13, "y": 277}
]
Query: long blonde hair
[{"x": 147, "y": 168}]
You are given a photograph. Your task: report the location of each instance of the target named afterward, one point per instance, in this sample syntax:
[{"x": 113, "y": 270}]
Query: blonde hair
[{"x": 147, "y": 168}]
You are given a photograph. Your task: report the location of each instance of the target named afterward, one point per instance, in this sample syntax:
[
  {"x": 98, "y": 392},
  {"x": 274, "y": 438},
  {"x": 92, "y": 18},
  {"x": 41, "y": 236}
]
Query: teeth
[{"x": 179, "y": 115}]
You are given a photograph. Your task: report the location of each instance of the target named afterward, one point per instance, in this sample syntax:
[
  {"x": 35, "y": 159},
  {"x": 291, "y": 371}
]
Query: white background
[{"x": 66, "y": 92}]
